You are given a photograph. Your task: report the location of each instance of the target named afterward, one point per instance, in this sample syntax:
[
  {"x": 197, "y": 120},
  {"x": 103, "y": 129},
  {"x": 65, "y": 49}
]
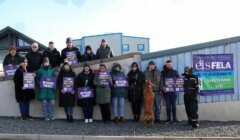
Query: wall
[{"x": 133, "y": 42}]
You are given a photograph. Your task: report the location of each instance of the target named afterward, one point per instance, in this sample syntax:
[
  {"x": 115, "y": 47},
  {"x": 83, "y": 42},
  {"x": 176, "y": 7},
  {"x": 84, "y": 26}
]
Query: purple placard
[
  {"x": 85, "y": 92},
  {"x": 71, "y": 57},
  {"x": 179, "y": 84},
  {"x": 169, "y": 85},
  {"x": 68, "y": 84},
  {"x": 9, "y": 71},
  {"x": 104, "y": 78},
  {"x": 48, "y": 82},
  {"x": 120, "y": 81},
  {"x": 29, "y": 80}
]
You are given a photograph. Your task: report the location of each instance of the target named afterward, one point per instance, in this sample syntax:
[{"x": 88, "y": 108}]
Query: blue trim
[
  {"x": 83, "y": 45},
  {"x": 121, "y": 44},
  {"x": 141, "y": 49},
  {"x": 148, "y": 46},
  {"x": 136, "y": 37},
  {"x": 76, "y": 39},
  {"x": 127, "y": 47}
]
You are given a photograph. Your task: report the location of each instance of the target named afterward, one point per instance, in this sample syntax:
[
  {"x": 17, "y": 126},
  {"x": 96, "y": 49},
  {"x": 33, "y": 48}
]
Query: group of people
[{"x": 103, "y": 86}]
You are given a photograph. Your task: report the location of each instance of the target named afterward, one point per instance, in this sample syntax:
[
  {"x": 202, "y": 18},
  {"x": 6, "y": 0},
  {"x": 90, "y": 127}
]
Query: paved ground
[{"x": 129, "y": 128}]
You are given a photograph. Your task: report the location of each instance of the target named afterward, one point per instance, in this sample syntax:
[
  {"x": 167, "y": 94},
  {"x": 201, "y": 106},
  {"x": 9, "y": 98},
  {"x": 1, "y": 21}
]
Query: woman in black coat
[
  {"x": 23, "y": 96},
  {"x": 85, "y": 79},
  {"x": 67, "y": 96},
  {"x": 135, "y": 94}
]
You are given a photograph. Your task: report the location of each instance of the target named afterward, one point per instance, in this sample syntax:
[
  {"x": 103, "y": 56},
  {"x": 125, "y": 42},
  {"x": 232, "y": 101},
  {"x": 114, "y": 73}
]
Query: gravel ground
[{"x": 129, "y": 128}]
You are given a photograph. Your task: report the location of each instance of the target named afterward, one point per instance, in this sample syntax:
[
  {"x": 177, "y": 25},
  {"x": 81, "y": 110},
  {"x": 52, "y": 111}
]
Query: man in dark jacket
[
  {"x": 155, "y": 76},
  {"x": 34, "y": 58},
  {"x": 104, "y": 51},
  {"x": 12, "y": 58},
  {"x": 170, "y": 97},
  {"x": 70, "y": 54},
  {"x": 191, "y": 91},
  {"x": 53, "y": 54},
  {"x": 88, "y": 54}
]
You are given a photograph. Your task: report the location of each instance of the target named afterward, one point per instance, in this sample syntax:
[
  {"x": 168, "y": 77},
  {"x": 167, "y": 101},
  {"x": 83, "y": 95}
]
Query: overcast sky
[{"x": 168, "y": 23}]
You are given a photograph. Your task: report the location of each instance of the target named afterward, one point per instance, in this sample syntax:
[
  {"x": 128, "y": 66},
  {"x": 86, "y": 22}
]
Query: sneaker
[
  {"x": 46, "y": 119},
  {"x": 86, "y": 120},
  {"x": 29, "y": 118},
  {"x": 51, "y": 118},
  {"x": 175, "y": 121},
  {"x": 90, "y": 120}
]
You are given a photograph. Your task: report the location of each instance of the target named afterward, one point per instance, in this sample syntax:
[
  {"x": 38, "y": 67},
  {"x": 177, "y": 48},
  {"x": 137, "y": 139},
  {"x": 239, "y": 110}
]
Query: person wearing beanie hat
[
  {"x": 23, "y": 96},
  {"x": 34, "y": 58},
  {"x": 46, "y": 95},
  {"x": 104, "y": 51},
  {"x": 156, "y": 79},
  {"x": 170, "y": 97},
  {"x": 53, "y": 54},
  {"x": 135, "y": 91},
  {"x": 119, "y": 92},
  {"x": 88, "y": 54},
  {"x": 103, "y": 81},
  {"x": 12, "y": 58},
  {"x": 70, "y": 54},
  {"x": 67, "y": 96},
  {"x": 85, "y": 80}
]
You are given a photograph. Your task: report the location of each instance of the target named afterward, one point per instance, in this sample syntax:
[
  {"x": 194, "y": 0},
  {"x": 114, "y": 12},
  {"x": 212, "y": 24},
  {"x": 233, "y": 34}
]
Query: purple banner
[
  {"x": 85, "y": 92},
  {"x": 68, "y": 84},
  {"x": 120, "y": 81},
  {"x": 174, "y": 84},
  {"x": 48, "y": 82},
  {"x": 9, "y": 71},
  {"x": 29, "y": 80},
  {"x": 71, "y": 57},
  {"x": 104, "y": 78}
]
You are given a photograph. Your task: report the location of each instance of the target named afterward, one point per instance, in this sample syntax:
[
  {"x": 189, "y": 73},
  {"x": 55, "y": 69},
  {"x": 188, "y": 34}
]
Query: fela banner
[{"x": 215, "y": 72}]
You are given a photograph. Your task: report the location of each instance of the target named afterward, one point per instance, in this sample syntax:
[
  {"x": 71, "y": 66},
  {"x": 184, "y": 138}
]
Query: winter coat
[
  {"x": 103, "y": 93},
  {"x": 65, "y": 50},
  {"x": 34, "y": 60},
  {"x": 65, "y": 99},
  {"x": 156, "y": 79},
  {"x": 54, "y": 57},
  {"x": 118, "y": 91},
  {"x": 104, "y": 52},
  {"x": 136, "y": 83},
  {"x": 13, "y": 60},
  {"x": 81, "y": 82},
  {"x": 45, "y": 93},
  {"x": 88, "y": 57},
  {"x": 20, "y": 94}
]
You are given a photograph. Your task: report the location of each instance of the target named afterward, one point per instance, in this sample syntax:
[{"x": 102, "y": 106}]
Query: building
[
  {"x": 119, "y": 43},
  {"x": 10, "y": 36}
]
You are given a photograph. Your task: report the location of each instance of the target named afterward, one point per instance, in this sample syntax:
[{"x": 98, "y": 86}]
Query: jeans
[
  {"x": 47, "y": 108},
  {"x": 121, "y": 102},
  {"x": 24, "y": 108},
  {"x": 157, "y": 104},
  {"x": 87, "y": 111},
  {"x": 68, "y": 110},
  {"x": 170, "y": 99}
]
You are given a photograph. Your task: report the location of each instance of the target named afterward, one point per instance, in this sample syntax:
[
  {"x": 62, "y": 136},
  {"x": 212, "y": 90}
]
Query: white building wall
[{"x": 133, "y": 44}]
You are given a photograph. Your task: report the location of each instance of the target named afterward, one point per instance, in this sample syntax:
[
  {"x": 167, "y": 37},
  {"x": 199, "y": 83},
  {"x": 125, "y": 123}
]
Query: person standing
[
  {"x": 12, "y": 58},
  {"x": 34, "y": 58},
  {"x": 23, "y": 96},
  {"x": 53, "y": 54},
  {"x": 88, "y": 54},
  {"x": 170, "y": 97},
  {"x": 104, "y": 51},
  {"x": 46, "y": 95},
  {"x": 191, "y": 91},
  {"x": 156, "y": 79},
  {"x": 103, "y": 81},
  {"x": 135, "y": 92},
  {"x": 67, "y": 94},
  {"x": 70, "y": 54},
  {"x": 85, "y": 80}
]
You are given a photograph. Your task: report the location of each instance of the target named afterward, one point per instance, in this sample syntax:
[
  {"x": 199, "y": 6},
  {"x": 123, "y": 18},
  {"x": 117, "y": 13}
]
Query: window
[
  {"x": 140, "y": 47},
  {"x": 22, "y": 43},
  {"x": 125, "y": 47}
]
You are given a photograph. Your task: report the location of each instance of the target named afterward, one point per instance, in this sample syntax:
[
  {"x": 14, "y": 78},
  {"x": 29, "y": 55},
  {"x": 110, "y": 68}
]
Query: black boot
[
  {"x": 135, "y": 117},
  {"x": 138, "y": 117},
  {"x": 67, "y": 118},
  {"x": 71, "y": 119}
]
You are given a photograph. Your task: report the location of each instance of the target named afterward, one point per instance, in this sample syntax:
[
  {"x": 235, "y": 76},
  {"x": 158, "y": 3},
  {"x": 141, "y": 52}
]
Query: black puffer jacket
[
  {"x": 14, "y": 60},
  {"x": 34, "y": 60},
  {"x": 169, "y": 73},
  {"x": 65, "y": 50},
  {"x": 136, "y": 83},
  {"x": 54, "y": 57}
]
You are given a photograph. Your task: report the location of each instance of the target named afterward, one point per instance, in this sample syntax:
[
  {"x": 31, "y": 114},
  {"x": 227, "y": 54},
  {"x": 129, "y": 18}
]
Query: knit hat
[
  {"x": 151, "y": 63},
  {"x": 69, "y": 40},
  {"x": 103, "y": 41}
]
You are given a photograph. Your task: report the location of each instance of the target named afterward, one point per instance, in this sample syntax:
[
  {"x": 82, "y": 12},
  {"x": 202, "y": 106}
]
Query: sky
[{"x": 168, "y": 23}]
